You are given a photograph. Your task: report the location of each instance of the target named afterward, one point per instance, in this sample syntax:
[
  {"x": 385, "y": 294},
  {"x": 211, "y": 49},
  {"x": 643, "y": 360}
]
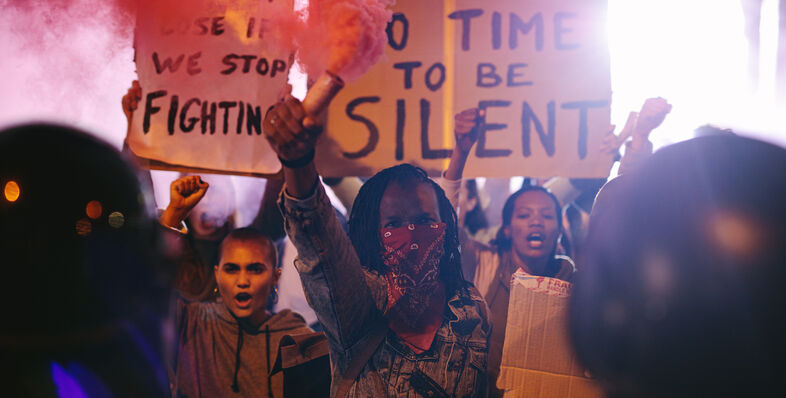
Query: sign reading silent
[{"x": 539, "y": 69}]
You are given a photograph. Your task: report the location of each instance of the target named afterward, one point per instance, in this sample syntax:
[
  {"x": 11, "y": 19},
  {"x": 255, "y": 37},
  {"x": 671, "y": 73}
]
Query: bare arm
[
  {"x": 269, "y": 220},
  {"x": 652, "y": 114}
]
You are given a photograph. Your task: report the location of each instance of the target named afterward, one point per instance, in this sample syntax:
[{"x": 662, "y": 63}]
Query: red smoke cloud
[
  {"x": 71, "y": 61},
  {"x": 346, "y": 37}
]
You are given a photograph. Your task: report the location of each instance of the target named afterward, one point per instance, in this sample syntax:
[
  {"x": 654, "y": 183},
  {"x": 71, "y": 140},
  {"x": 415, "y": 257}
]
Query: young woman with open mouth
[{"x": 527, "y": 240}]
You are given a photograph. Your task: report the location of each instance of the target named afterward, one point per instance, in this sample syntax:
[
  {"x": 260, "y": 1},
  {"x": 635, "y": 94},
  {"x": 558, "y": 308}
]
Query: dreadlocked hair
[{"x": 364, "y": 223}]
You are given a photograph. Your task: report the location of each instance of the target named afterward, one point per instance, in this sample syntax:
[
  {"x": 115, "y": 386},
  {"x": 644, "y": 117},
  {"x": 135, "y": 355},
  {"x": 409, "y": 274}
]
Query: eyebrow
[
  {"x": 550, "y": 208},
  {"x": 257, "y": 264}
]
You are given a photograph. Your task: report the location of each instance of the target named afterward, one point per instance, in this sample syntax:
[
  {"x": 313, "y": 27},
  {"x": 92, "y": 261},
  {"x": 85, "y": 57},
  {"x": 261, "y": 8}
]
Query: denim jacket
[{"x": 347, "y": 300}]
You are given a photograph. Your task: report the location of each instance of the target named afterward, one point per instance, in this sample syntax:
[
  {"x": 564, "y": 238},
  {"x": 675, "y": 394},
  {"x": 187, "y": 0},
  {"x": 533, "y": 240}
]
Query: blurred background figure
[
  {"x": 681, "y": 289},
  {"x": 85, "y": 291}
]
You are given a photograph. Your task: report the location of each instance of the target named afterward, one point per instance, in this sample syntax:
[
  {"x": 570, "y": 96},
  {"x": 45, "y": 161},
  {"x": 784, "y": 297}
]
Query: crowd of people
[{"x": 676, "y": 265}]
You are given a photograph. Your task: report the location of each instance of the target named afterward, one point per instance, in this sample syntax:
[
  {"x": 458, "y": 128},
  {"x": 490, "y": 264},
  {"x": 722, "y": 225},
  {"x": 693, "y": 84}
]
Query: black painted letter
[{"x": 373, "y": 132}]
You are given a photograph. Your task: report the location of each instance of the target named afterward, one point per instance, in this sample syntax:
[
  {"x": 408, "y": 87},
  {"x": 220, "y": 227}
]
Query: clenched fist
[
  {"x": 184, "y": 194},
  {"x": 291, "y": 133}
]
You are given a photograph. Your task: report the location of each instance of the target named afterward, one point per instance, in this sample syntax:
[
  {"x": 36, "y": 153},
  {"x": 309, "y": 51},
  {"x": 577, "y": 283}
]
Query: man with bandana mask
[{"x": 399, "y": 317}]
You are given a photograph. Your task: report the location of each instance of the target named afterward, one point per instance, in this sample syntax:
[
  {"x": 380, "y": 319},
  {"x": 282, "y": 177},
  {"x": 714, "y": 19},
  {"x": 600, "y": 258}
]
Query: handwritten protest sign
[
  {"x": 537, "y": 358},
  {"x": 208, "y": 74},
  {"x": 539, "y": 68},
  {"x": 389, "y": 115}
]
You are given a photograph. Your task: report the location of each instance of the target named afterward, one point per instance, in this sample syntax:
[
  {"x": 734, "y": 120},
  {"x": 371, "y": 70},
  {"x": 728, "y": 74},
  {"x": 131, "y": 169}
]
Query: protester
[
  {"x": 578, "y": 194},
  {"x": 398, "y": 315},
  {"x": 527, "y": 240},
  {"x": 681, "y": 290},
  {"x": 85, "y": 290},
  {"x": 230, "y": 348},
  {"x": 210, "y": 220}
]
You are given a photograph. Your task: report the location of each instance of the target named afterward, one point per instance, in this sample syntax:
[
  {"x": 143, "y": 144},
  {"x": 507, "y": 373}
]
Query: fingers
[
  {"x": 467, "y": 120},
  {"x": 288, "y": 130},
  {"x": 654, "y": 107},
  {"x": 188, "y": 185},
  {"x": 652, "y": 114},
  {"x": 291, "y": 115},
  {"x": 131, "y": 100}
]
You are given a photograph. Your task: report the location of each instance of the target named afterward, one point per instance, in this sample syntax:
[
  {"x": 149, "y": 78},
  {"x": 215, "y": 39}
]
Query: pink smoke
[{"x": 345, "y": 37}]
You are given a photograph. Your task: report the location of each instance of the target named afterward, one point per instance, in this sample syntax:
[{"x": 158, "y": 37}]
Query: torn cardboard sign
[{"x": 537, "y": 358}]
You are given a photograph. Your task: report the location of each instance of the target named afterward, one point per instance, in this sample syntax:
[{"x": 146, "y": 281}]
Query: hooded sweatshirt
[{"x": 218, "y": 358}]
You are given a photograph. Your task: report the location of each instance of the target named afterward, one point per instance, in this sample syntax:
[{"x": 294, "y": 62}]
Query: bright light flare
[{"x": 693, "y": 53}]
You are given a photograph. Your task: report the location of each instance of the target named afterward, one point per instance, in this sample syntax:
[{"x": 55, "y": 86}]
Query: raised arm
[
  {"x": 652, "y": 114},
  {"x": 466, "y": 133},
  {"x": 268, "y": 220},
  {"x": 333, "y": 279},
  {"x": 193, "y": 279}
]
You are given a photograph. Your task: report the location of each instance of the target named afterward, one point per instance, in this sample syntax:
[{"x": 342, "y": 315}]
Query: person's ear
[
  {"x": 506, "y": 232},
  {"x": 276, "y": 275},
  {"x": 215, "y": 273}
]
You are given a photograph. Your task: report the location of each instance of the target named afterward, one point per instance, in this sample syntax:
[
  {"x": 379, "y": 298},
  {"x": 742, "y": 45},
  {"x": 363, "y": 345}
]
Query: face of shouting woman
[
  {"x": 534, "y": 228},
  {"x": 245, "y": 275}
]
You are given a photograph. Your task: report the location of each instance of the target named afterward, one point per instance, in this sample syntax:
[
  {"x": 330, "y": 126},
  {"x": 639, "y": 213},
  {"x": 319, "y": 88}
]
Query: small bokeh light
[
  {"x": 94, "y": 209},
  {"x": 11, "y": 191},
  {"x": 83, "y": 227},
  {"x": 116, "y": 219}
]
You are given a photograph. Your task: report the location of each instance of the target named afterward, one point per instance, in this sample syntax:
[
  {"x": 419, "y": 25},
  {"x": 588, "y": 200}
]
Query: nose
[
  {"x": 536, "y": 220},
  {"x": 243, "y": 280}
]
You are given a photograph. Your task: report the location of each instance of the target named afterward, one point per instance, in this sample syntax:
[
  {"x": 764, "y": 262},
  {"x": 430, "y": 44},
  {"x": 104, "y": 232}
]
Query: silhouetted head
[
  {"x": 79, "y": 249},
  {"x": 681, "y": 290}
]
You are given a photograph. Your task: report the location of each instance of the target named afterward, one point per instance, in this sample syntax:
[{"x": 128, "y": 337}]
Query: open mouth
[
  {"x": 535, "y": 240},
  {"x": 243, "y": 300}
]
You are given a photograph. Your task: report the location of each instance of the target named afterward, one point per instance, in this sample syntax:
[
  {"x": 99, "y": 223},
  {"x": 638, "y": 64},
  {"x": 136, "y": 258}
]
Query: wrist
[
  {"x": 300, "y": 162},
  {"x": 172, "y": 217}
]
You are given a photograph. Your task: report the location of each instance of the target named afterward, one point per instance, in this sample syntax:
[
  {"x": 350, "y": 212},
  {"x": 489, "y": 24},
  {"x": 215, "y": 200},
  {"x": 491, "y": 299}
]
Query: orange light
[
  {"x": 83, "y": 227},
  {"x": 11, "y": 191},
  {"x": 94, "y": 209}
]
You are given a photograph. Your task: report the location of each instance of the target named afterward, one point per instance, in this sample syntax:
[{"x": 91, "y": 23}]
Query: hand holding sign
[
  {"x": 131, "y": 99},
  {"x": 184, "y": 194}
]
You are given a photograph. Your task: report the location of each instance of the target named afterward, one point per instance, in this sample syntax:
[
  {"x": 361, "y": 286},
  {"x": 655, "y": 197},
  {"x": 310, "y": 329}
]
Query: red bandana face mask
[{"x": 412, "y": 255}]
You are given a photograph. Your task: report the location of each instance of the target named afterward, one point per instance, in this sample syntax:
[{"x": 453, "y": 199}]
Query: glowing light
[
  {"x": 734, "y": 234},
  {"x": 84, "y": 227},
  {"x": 11, "y": 191},
  {"x": 116, "y": 219},
  {"x": 692, "y": 53},
  {"x": 94, "y": 209}
]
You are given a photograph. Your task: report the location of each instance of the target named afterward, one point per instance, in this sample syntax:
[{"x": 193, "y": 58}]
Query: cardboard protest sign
[
  {"x": 208, "y": 74},
  {"x": 539, "y": 68},
  {"x": 537, "y": 358},
  {"x": 390, "y": 115}
]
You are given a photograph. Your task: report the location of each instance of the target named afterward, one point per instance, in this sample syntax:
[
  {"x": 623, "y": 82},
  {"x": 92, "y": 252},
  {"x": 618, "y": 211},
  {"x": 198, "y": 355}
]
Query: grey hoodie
[{"x": 214, "y": 355}]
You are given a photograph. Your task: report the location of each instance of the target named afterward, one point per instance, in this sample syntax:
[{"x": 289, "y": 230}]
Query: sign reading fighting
[{"x": 208, "y": 73}]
